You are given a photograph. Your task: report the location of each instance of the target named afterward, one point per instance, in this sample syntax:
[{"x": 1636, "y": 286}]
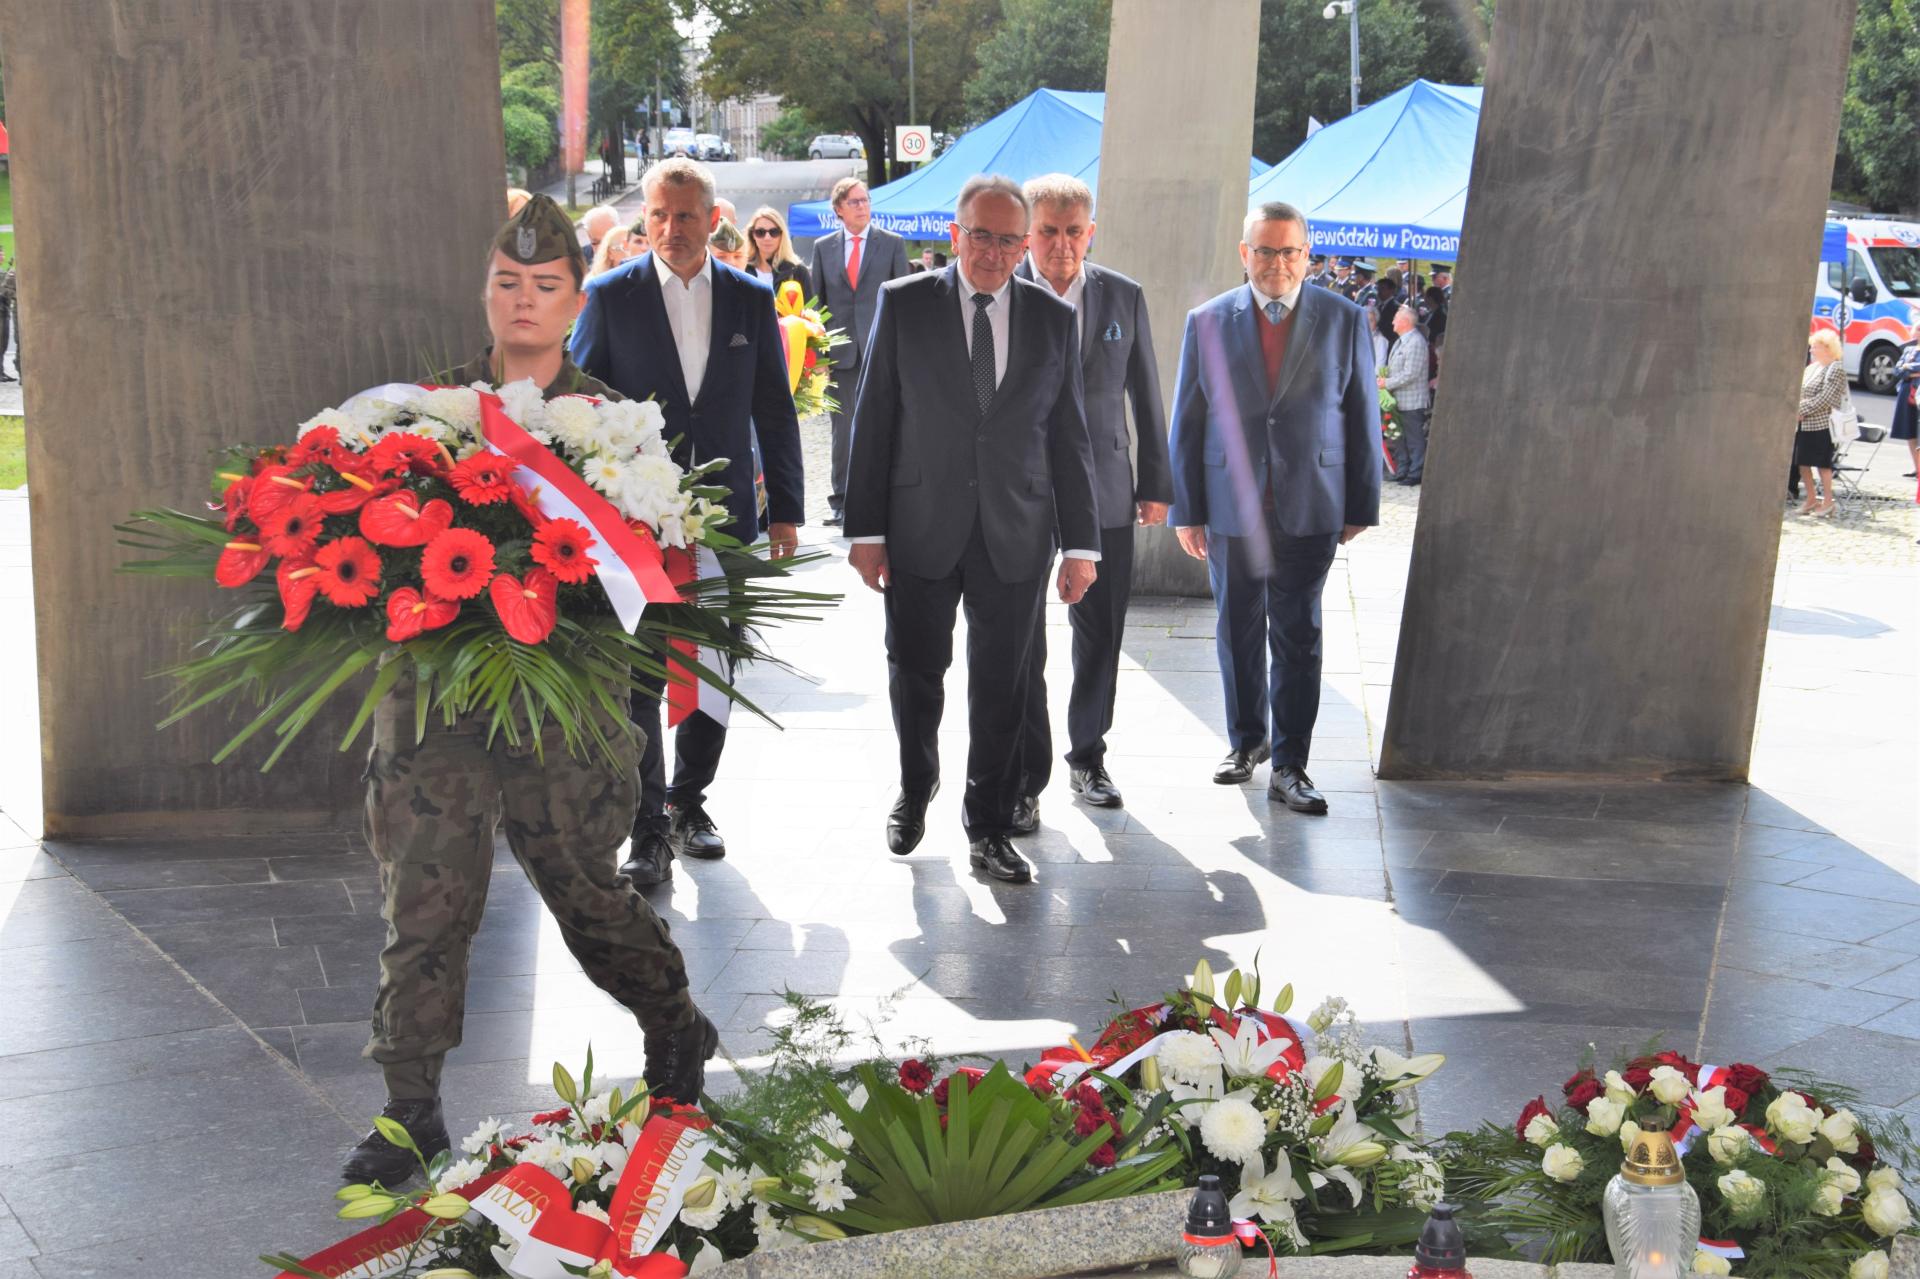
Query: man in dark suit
[
  {"x": 1276, "y": 463},
  {"x": 1116, "y": 364},
  {"x": 969, "y": 451},
  {"x": 702, "y": 339},
  {"x": 849, "y": 266}
]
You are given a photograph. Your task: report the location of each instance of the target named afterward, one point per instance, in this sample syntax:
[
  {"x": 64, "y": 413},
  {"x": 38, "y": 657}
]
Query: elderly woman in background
[
  {"x": 616, "y": 246},
  {"x": 770, "y": 252},
  {"x": 1823, "y": 388},
  {"x": 727, "y": 244}
]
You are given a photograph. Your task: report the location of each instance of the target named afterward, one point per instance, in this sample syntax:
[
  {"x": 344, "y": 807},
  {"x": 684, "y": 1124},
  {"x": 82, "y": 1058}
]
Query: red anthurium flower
[
  {"x": 409, "y": 613},
  {"x": 240, "y": 563},
  {"x": 405, "y": 451},
  {"x": 561, "y": 548},
  {"x": 234, "y": 499},
  {"x": 273, "y": 487},
  {"x": 528, "y": 607},
  {"x": 401, "y": 519},
  {"x": 294, "y": 529},
  {"x": 483, "y": 478},
  {"x": 321, "y": 444},
  {"x": 349, "y": 573},
  {"x": 457, "y": 564},
  {"x": 527, "y": 503},
  {"x": 358, "y": 492},
  {"x": 297, "y": 589}
]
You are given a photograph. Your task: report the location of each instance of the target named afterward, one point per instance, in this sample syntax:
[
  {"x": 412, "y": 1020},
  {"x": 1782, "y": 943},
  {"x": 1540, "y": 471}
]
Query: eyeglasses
[
  {"x": 1290, "y": 254},
  {"x": 851, "y": 202},
  {"x": 981, "y": 239},
  {"x": 766, "y": 233}
]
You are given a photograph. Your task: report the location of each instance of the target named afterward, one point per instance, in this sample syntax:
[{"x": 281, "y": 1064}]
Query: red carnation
[
  {"x": 482, "y": 479},
  {"x": 294, "y": 529},
  {"x": 1103, "y": 1157},
  {"x": 409, "y": 613},
  {"x": 1748, "y": 1079},
  {"x": 402, "y": 519},
  {"x": 1534, "y": 1109},
  {"x": 527, "y": 606},
  {"x": 561, "y": 548},
  {"x": 915, "y": 1075},
  {"x": 240, "y": 563},
  {"x": 457, "y": 564},
  {"x": 297, "y": 589},
  {"x": 1085, "y": 1094},
  {"x": 559, "y": 1116},
  {"x": 1585, "y": 1091},
  {"x": 349, "y": 573},
  {"x": 941, "y": 1089},
  {"x": 1086, "y": 1123}
]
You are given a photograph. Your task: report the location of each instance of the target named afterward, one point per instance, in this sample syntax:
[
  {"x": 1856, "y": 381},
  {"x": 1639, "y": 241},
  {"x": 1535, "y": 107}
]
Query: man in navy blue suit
[
  {"x": 1276, "y": 463},
  {"x": 702, "y": 339}
]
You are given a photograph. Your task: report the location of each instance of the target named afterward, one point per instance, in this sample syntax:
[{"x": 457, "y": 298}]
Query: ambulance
[{"x": 1870, "y": 294}]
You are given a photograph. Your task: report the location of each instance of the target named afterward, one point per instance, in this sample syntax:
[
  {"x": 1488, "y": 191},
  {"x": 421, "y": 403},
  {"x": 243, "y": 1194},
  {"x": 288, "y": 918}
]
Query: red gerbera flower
[
  {"x": 457, "y": 564},
  {"x": 409, "y": 613},
  {"x": 240, "y": 563},
  {"x": 401, "y": 519},
  {"x": 482, "y": 478},
  {"x": 321, "y": 444},
  {"x": 561, "y": 548},
  {"x": 527, "y": 606},
  {"x": 273, "y": 487},
  {"x": 294, "y": 529},
  {"x": 349, "y": 573},
  {"x": 297, "y": 589},
  {"x": 405, "y": 451}
]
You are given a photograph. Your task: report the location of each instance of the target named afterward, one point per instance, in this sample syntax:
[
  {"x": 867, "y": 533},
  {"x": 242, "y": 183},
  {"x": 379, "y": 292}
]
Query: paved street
[{"x": 215, "y": 992}]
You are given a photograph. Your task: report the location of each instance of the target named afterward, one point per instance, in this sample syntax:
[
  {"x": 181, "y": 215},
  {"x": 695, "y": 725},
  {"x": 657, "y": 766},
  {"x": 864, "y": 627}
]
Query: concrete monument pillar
[
  {"x": 1601, "y": 510},
  {"x": 1173, "y": 186},
  {"x": 230, "y": 215}
]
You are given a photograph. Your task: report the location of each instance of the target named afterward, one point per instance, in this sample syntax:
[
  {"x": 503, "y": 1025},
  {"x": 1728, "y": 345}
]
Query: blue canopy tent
[
  {"x": 1390, "y": 180},
  {"x": 1045, "y": 132}
]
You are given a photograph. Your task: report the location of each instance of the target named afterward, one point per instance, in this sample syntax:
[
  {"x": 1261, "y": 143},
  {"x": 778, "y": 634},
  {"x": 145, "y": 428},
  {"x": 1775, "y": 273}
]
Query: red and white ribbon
[
  {"x": 1723, "y": 1248},
  {"x": 1134, "y": 1036}
]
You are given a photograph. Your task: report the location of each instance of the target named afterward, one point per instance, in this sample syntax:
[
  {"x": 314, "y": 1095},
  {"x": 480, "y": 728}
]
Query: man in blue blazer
[
  {"x": 702, "y": 339},
  {"x": 1276, "y": 463}
]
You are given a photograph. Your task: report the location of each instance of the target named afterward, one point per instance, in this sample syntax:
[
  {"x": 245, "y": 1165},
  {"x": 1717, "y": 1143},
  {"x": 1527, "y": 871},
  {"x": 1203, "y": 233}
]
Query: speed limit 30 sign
[{"x": 913, "y": 142}]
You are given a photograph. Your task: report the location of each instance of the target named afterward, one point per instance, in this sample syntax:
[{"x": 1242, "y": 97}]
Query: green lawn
[{"x": 13, "y": 452}]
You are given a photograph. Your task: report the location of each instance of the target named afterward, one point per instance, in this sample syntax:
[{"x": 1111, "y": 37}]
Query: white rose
[
  {"x": 1619, "y": 1089},
  {"x": 1886, "y": 1211},
  {"x": 1726, "y": 1145},
  {"x": 1710, "y": 1109},
  {"x": 1829, "y": 1200},
  {"x": 1562, "y": 1163},
  {"x": 1629, "y": 1133},
  {"x": 1541, "y": 1130},
  {"x": 1742, "y": 1191},
  {"x": 1668, "y": 1086},
  {"x": 1869, "y": 1265},
  {"x": 1604, "y": 1116},
  {"x": 1842, "y": 1131},
  {"x": 1883, "y": 1178},
  {"x": 1790, "y": 1119},
  {"x": 1709, "y": 1263},
  {"x": 1842, "y": 1175}
]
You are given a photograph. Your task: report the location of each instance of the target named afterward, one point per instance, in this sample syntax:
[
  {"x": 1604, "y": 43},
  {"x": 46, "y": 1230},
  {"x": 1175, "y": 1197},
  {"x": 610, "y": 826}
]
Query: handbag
[{"x": 1843, "y": 424}]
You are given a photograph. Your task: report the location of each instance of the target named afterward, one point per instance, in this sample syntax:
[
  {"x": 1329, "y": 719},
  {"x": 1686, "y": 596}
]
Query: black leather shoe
[
  {"x": 997, "y": 856},
  {"x": 377, "y": 1159},
  {"x": 1026, "y": 815},
  {"x": 652, "y": 859},
  {"x": 677, "y": 1060},
  {"x": 907, "y": 823},
  {"x": 835, "y": 520},
  {"x": 1292, "y": 787},
  {"x": 693, "y": 832},
  {"x": 1238, "y": 766},
  {"x": 1094, "y": 787}
]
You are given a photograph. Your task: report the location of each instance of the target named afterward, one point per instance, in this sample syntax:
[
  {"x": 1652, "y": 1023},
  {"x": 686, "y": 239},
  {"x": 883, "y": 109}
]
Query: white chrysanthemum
[
  {"x": 339, "y": 421},
  {"x": 522, "y": 400},
  {"x": 766, "y": 1230},
  {"x": 829, "y": 1129},
  {"x": 482, "y": 1137},
  {"x": 615, "y": 434},
  {"x": 817, "y": 1170},
  {"x": 572, "y": 421},
  {"x": 1188, "y": 1058},
  {"x": 652, "y": 482},
  {"x": 458, "y": 406},
  {"x": 830, "y": 1196},
  {"x": 458, "y": 1174},
  {"x": 734, "y": 1184},
  {"x": 590, "y": 1209},
  {"x": 1426, "y": 1181},
  {"x": 1233, "y": 1130},
  {"x": 548, "y": 1153}
]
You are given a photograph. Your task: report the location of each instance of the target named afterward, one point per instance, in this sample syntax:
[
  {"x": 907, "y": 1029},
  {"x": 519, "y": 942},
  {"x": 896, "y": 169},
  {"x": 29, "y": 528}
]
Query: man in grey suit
[
  {"x": 970, "y": 451},
  {"x": 1276, "y": 463},
  {"x": 1116, "y": 361},
  {"x": 849, "y": 266}
]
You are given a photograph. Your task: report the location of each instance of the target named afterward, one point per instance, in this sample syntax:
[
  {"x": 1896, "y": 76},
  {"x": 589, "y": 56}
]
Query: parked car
[
  {"x": 836, "y": 146},
  {"x": 681, "y": 142},
  {"x": 713, "y": 147},
  {"x": 1873, "y": 298}
]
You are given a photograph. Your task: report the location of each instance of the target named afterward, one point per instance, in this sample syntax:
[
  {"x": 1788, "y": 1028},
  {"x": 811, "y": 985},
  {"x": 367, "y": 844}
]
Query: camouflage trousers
[{"x": 432, "y": 807}]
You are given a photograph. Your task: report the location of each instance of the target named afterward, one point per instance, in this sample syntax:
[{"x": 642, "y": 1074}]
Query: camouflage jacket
[{"x": 571, "y": 380}]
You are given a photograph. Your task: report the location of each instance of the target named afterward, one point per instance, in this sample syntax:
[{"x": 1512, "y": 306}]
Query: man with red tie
[
  {"x": 849, "y": 266},
  {"x": 1276, "y": 463}
]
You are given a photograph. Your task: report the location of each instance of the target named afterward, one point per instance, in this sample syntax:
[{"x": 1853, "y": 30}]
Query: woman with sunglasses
[{"x": 770, "y": 252}]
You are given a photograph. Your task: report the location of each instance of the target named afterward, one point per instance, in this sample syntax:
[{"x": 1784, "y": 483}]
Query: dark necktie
[{"x": 982, "y": 351}]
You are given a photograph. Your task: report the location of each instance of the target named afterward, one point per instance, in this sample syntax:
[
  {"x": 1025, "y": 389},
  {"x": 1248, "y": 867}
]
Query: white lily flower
[
  {"x": 1399, "y": 1072},
  {"x": 1244, "y": 1053},
  {"x": 1350, "y": 1142},
  {"x": 1320, "y": 1179},
  {"x": 1264, "y": 1194}
]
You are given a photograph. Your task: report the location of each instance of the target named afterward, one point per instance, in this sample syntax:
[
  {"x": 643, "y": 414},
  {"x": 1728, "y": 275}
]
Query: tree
[
  {"x": 530, "y": 111},
  {"x": 844, "y": 62},
  {"x": 632, "y": 41},
  {"x": 527, "y": 31},
  {"x": 787, "y": 136},
  {"x": 1879, "y": 155},
  {"x": 1041, "y": 44}
]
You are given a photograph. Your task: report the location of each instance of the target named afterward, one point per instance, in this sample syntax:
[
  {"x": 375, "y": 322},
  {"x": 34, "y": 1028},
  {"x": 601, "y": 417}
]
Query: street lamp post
[{"x": 1351, "y": 8}]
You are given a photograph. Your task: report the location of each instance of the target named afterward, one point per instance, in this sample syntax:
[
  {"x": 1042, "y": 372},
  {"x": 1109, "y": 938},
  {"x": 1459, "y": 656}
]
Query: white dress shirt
[
  {"x": 1076, "y": 290},
  {"x": 1000, "y": 325},
  {"x": 689, "y": 306}
]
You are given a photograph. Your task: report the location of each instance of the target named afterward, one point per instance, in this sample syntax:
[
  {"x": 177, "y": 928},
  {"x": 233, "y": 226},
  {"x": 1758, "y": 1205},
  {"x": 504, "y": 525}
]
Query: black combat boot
[
  {"x": 677, "y": 1060},
  {"x": 377, "y": 1159}
]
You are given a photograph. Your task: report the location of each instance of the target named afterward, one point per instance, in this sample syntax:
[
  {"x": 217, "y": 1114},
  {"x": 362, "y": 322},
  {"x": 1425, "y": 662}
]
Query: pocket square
[
  {"x": 1113, "y": 333},
  {"x": 739, "y": 339}
]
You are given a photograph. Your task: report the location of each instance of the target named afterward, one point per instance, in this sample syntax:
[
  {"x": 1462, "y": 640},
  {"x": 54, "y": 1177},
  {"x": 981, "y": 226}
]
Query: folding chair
[{"x": 1871, "y": 435}]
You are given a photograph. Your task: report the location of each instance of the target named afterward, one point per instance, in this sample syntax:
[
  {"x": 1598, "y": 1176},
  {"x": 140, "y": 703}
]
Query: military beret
[
  {"x": 540, "y": 232},
  {"x": 726, "y": 237}
]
